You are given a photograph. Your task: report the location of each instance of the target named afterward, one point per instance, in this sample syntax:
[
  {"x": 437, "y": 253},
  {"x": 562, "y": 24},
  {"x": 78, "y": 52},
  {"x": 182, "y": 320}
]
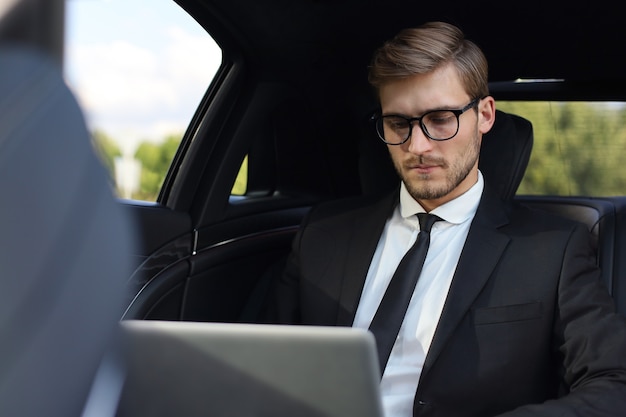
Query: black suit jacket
[{"x": 527, "y": 327}]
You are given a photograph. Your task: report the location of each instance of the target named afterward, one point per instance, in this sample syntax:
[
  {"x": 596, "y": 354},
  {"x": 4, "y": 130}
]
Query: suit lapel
[
  {"x": 367, "y": 227},
  {"x": 482, "y": 251}
]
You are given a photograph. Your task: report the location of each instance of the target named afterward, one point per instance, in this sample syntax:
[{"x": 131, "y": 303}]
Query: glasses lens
[
  {"x": 393, "y": 129},
  {"x": 441, "y": 125}
]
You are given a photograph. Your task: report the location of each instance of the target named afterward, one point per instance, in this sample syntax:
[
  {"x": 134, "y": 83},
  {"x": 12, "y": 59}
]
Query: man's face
[{"x": 436, "y": 172}]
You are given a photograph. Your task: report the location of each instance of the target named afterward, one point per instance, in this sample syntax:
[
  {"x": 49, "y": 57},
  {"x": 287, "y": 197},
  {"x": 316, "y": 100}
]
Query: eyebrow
[{"x": 423, "y": 113}]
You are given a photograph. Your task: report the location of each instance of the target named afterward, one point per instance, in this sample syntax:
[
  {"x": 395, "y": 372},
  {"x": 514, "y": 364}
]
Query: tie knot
[{"x": 427, "y": 220}]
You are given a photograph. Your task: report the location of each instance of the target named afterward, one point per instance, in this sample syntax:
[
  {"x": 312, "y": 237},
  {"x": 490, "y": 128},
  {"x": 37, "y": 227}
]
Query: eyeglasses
[{"x": 395, "y": 129}]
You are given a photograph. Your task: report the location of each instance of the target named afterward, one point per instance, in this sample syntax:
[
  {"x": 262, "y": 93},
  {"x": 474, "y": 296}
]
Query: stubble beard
[{"x": 424, "y": 188}]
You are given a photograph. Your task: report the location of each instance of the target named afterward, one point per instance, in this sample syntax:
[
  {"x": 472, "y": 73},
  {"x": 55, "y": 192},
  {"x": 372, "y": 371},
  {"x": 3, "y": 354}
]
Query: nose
[{"x": 419, "y": 143}]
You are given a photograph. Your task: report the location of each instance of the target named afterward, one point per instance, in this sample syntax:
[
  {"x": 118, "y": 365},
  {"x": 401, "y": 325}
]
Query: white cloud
[
  {"x": 185, "y": 47},
  {"x": 134, "y": 92},
  {"x": 118, "y": 78}
]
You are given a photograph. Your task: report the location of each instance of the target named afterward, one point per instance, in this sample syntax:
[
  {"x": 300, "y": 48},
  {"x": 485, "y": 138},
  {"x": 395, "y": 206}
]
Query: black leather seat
[
  {"x": 505, "y": 152},
  {"x": 599, "y": 217},
  {"x": 618, "y": 284}
]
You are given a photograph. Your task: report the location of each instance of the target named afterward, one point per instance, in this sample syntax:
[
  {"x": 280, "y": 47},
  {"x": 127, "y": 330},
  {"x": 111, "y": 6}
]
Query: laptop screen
[{"x": 218, "y": 369}]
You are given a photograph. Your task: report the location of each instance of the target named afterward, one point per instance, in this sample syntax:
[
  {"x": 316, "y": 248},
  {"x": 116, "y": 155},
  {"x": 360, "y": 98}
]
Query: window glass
[
  {"x": 241, "y": 183},
  {"x": 139, "y": 69},
  {"x": 579, "y": 147}
]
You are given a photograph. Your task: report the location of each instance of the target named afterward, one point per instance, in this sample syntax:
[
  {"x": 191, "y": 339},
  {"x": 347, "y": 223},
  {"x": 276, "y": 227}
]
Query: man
[{"x": 508, "y": 316}]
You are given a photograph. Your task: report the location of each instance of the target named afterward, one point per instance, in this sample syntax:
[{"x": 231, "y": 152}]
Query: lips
[
  {"x": 423, "y": 165},
  {"x": 424, "y": 169}
]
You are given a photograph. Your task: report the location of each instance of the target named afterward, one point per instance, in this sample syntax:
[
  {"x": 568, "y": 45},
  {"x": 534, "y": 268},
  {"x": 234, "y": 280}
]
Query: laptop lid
[{"x": 218, "y": 369}]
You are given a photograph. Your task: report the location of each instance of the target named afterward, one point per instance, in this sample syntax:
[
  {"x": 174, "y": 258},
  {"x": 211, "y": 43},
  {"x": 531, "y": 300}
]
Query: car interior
[
  {"x": 292, "y": 96},
  {"x": 291, "y": 99}
]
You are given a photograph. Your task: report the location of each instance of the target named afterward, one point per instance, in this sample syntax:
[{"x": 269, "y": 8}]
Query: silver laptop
[{"x": 248, "y": 370}]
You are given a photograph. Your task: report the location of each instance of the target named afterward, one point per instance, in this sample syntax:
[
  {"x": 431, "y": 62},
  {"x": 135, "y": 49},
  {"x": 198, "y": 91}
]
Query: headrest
[
  {"x": 505, "y": 152},
  {"x": 504, "y": 155}
]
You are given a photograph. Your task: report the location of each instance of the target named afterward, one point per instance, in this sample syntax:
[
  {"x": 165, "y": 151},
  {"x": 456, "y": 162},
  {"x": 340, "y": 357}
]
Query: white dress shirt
[{"x": 401, "y": 376}]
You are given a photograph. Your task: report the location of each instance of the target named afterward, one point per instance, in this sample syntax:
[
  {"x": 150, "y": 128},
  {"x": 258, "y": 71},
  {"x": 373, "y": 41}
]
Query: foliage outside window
[
  {"x": 579, "y": 147},
  {"x": 241, "y": 183},
  {"x": 154, "y": 160}
]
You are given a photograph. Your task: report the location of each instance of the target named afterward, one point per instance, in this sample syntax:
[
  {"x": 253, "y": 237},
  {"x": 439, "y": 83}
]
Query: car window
[
  {"x": 139, "y": 69},
  {"x": 579, "y": 147},
  {"x": 241, "y": 182}
]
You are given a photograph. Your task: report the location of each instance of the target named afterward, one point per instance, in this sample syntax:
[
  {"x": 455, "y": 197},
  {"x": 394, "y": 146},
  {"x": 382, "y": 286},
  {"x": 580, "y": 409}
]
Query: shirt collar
[{"x": 455, "y": 211}]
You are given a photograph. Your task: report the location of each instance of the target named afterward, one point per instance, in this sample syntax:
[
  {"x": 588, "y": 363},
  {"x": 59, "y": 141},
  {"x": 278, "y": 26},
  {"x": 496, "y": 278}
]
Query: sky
[{"x": 139, "y": 68}]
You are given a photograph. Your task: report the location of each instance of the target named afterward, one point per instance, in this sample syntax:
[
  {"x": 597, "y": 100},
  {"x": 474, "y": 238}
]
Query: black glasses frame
[{"x": 377, "y": 118}]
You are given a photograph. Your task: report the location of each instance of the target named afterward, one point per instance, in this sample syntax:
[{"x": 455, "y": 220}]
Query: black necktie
[{"x": 390, "y": 314}]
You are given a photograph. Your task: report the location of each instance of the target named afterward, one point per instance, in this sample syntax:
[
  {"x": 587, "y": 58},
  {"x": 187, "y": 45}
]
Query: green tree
[
  {"x": 155, "y": 159},
  {"x": 578, "y": 148},
  {"x": 106, "y": 149},
  {"x": 241, "y": 182}
]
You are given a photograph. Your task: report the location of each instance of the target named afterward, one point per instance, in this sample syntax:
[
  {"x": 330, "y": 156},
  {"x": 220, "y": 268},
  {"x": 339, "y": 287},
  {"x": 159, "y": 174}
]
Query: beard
[{"x": 423, "y": 187}]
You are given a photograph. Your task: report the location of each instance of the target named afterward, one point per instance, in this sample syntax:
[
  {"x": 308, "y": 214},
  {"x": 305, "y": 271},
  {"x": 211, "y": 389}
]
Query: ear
[{"x": 486, "y": 114}]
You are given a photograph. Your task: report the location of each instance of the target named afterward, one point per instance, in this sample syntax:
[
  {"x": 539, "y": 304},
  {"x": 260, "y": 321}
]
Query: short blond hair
[{"x": 423, "y": 49}]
